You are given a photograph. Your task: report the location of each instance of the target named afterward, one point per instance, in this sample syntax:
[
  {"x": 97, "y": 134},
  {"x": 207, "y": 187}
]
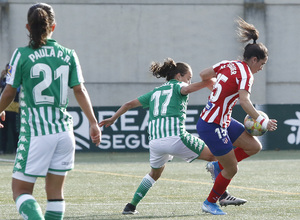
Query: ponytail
[
  {"x": 247, "y": 32},
  {"x": 40, "y": 19},
  {"x": 168, "y": 69}
]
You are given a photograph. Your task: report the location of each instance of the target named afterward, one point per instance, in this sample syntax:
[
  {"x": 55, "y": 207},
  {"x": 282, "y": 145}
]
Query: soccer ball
[{"x": 253, "y": 127}]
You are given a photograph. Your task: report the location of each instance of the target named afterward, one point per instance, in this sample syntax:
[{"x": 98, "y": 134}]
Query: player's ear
[
  {"x": 53, "y": 27},
  {"x": 255, "y": 59},
  {"x": 177, "y": 76},
  {"x": 27, "y": 27}
]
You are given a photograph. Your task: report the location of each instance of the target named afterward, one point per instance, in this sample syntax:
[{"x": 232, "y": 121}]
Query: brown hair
[
  {"x": 40, "y": 19},
  {"x": 247, "y": 32},
  {"x": 168, "y": 69}
]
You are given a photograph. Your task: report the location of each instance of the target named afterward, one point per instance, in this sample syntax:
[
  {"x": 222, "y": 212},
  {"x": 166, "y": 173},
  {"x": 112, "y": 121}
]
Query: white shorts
[
  {"x": 163, "y": 150},
  {"x": 36, "y": 156}
]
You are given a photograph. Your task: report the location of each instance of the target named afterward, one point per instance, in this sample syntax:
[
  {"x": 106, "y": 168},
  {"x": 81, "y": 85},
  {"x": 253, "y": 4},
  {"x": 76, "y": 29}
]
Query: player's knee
[
  {"x": 156, "y": 173},
  {"x": 257, "y": 147}
]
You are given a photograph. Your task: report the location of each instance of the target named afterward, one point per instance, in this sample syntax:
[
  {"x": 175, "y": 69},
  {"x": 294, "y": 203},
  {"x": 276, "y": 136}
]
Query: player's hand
[
  {"x": 2, "y": 116},
  {"x": 95, "y": 133},
  {"x": 106, "y": 122},
  {"x": 272, "y": 125}
]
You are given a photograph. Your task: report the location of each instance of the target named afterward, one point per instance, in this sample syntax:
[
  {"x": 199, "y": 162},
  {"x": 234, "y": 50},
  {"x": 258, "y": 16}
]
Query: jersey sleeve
[
  {"x": 14, "y": 77},
  {"x": 218, "y": 66},
  {"x": 245, "y": 78},
  {"x": 145, "y": 99},
  {"x": 75, "y": 77},
  {"x": 178, "y": 87}
]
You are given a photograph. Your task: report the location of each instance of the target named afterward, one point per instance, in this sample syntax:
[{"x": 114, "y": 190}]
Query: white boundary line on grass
[
  {"x": 187, "y": 181},
  {"x": 7, "y": 160}
]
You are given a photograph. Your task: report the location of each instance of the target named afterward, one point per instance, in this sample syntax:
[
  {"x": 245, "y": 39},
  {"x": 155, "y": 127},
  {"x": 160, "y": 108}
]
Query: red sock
[
  {"x": 240, "y": 155},
  {"x": 218, "y": 189},
  {"x": 220, "y": 166}
]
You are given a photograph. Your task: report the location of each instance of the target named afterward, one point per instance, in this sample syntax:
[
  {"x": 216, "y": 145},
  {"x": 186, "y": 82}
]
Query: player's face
[
  {"x": 258, "y": 64},
  {"x": 187, "y": 77}
]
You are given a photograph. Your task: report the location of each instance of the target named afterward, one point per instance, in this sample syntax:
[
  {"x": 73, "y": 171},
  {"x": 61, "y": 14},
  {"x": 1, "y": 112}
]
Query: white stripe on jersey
[
  {"x": 42, "y": 113},
  {"x": 225, "y": 104},
  {"x": 57, "y": 122},
  {"x": 178, "y": 126},
  {"x": 214, "y": 115},
  {"x": 222, "y": 62},
  {"x": 167, "y": 127},
  {"x": 37, "y": 122},
  {"x": 150, "y": 129},
  {"x": 10, "y": 78},
  {"x": 50, "y": 119},
  {"x": 172, "y": 126},
  {"x": 30, "y": 122},
  {"x": 157, "y": 128},
  {"x": 162, "y": 127},
  {"x": 243, "y": 74}
]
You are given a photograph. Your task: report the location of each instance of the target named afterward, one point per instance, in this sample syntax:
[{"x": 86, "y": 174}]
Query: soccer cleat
[
  {"x": 227, "y": 199},
  {"x": 214, "y": 169},
  {"x": 130, "y": 210},
  {"x": 212, "y": 208}
]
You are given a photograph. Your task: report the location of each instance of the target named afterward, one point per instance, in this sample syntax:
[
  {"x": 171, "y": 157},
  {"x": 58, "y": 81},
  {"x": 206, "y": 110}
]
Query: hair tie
[{"x": 254, "y": 41}]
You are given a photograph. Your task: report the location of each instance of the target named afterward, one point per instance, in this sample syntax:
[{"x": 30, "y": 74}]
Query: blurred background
[{"x": 116, "y": 40}]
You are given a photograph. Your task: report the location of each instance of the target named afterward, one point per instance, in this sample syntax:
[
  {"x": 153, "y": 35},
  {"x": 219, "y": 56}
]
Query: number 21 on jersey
[{"x": 61, "y": 74}]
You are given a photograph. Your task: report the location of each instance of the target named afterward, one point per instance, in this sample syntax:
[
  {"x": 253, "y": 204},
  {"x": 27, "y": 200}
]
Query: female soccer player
[
  {"x": 167, "y": 112},
  {"x": 46, "y": 146},
  {"x": 216, "y": 127}
]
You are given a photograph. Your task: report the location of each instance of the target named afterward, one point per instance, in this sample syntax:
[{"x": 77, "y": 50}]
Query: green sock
[
  {"x": 55, "y": 210},
  {"x": 50, "y": 215},
  {"x": 142, "y": 190},
  {"x": 29, "y": 208}
]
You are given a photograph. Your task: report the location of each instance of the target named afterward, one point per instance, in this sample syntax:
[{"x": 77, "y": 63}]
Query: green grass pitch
[{"x": 102, "y": 183}]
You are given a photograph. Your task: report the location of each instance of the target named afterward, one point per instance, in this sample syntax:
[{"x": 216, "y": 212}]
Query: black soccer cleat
[
  {"x": 130, "y": 210},
  {"x": 227, "y": 199}
]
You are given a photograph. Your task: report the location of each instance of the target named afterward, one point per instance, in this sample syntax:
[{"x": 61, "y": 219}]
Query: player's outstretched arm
[
  {"x": 193, "y": 87},
  {"x": 84, "y": 101},
  {"x": 124, "y": 108}
]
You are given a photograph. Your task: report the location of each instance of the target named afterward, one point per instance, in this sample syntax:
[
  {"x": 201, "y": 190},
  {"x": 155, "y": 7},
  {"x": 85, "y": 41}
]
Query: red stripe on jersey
[{"x": 231, "y": 77}]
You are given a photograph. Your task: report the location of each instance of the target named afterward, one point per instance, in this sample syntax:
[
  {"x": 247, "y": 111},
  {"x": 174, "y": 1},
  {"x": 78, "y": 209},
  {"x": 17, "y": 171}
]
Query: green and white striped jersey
[
  {"x": 44, "y": 75},
  {"x": 167, "y": 110}
]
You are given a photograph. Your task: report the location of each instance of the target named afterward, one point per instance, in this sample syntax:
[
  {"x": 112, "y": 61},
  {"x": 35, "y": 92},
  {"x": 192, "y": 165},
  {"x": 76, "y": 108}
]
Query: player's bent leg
[
  {"x": 156, "y": 173},
  {"x": 206, "y": 155},
  {"x": 250, "y": 144},
  {"x": 226, "y": 199}
]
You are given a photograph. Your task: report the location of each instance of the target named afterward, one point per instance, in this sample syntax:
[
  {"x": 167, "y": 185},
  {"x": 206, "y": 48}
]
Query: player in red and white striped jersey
[
  {"x": 217, "y": 128},
  {"x": 232, "y": 76}
]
